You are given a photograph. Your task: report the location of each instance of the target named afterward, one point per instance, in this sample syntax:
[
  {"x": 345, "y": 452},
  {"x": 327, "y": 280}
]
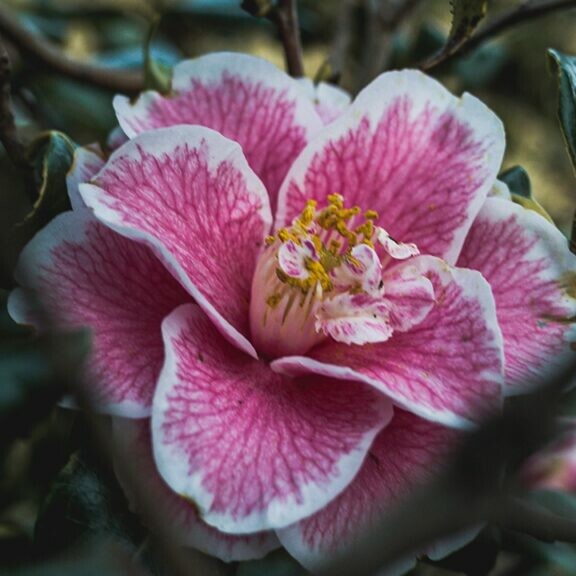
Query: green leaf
[
  {"x": 517, "y": 179},
  {"x": 157, "y": 76},
  {"x": 466, "y": 15},
  {"x": 565, "y": 69}
]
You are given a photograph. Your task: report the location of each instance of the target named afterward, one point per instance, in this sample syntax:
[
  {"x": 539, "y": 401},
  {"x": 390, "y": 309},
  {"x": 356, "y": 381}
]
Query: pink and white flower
[{"x": 302, "y": 372}]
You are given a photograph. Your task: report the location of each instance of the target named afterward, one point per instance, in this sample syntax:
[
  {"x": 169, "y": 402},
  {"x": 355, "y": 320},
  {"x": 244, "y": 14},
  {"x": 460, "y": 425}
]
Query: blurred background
[{"x": 70, "y": 494}]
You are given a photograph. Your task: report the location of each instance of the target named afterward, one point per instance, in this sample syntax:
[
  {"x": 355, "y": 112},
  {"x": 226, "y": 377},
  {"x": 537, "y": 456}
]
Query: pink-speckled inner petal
[
  {"x": 244, "y": 98},
  {"x": 89, "y": 276},
  {"x": 253, "y": 449},
  {"x": 179, "y": 517},
  {"x": 406, "y": 148},
  {"x": 408, "y": 452},
  {"x": 188, "y": 192},
  {"x": 448, "y": 368},
  {"x": 533, "y": 277}
]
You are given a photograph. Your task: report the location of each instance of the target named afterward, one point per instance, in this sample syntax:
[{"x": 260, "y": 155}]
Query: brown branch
[
  {"x": 9, "y": 137},
  {"x": 47, "y": 56},
  {"x": 285, "y": 16},
  {"x": 526, "y": 11}
]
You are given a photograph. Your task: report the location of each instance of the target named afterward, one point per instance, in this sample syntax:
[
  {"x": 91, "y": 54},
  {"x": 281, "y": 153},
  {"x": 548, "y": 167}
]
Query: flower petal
[
  {"x": 252, "y": 449},
  {"x": 407, "y": 453},
  {"x": 330, "y": 101},
  {"x": 532, "y": 273},
  {"x": 89, "y": 276},
  {"x": 180, "y": 517},
  {"x": 408, "y": 149},
  {"x": 245, "y": 98},
  {"x": 87, "y": 162},
  {"x": 189, "y": 193},
  {"x": 447, "y": 369},
  {"x": 410, "y": 295}
]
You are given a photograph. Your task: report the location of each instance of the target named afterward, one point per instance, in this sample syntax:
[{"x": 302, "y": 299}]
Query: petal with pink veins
[
  {"x": 179, "y": 517},
  {"x": 89, "y": 276},
  {"x": 245, "y": 98},
  {"x": 532, "y": 273},
  {"x": 406, "y": 454},
  {"x": 448, "y": 368},
  {"x": 254, "y": 450},
  {"x": 188, "y": 193},
  {"x": 422, "y": 158}
]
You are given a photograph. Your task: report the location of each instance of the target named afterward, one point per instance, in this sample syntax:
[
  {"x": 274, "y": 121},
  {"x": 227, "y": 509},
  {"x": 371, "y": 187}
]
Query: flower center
[{"x": 322, "y": 277}]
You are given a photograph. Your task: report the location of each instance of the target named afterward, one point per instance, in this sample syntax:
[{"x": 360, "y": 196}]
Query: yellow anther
[
  {"x": 269, "y": 240},
  {"x": 308, "y": 214},
  {"x": 318, "y": 274},
  {"x": 371, "y": 215},
  {"x": 284, "y": 235},
  {"x": 336, "y": 200},
  {"x": 344, "y": 231}
]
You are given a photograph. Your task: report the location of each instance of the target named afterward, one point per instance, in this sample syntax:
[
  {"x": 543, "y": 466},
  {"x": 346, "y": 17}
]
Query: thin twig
[
  {"x": 285, "y": 16},
  {"x": 51, "y": 59},
  {"x": 8, "y": 132},
  {"x": 526, "y": 11}
]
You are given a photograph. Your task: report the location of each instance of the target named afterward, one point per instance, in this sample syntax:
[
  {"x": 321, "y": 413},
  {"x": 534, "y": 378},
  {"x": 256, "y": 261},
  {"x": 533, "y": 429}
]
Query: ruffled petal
[
  {"x": 179, "y": 516},
  {"x": 189, "y": 193},
  {"x": 532, "y": 273},
  {"x": 407, "y": 453},
  {"x": 253, "y": 450},
  {"x": 409, "y": 294},
  {"x": 448, "y": 368},
  {"x": 245, "y": 98},
  {"x": 89, "y": 276},
  {"x": 424, "y": 159}
]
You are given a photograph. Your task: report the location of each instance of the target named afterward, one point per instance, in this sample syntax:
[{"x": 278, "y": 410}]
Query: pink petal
[
  {"x": 189, "y": 193},
  {"x": 407, "y": 453},
  {"x": 87, "y": 163},
  {"x": 89, "y": 276},
  {"x": 408, "y": 149},
  {"x": 133, "y": 438},
  {"x": 245, "y": 98},
  {"x": 533, "y": 274},
  {"x": 330, "y": 101},
  {"x": 251, "y": 449},
  {"x": 447, "y": 369},
  {"x": 410, "y": 295}
]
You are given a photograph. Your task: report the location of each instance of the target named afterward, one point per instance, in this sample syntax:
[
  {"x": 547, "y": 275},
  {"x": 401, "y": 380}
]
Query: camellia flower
[{"x": 308, "y": 297}]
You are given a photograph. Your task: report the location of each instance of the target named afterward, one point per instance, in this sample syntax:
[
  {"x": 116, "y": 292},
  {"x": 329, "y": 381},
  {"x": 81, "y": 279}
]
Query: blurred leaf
[
  {"x": 466, "y": 15},
  {"x": 475, "y": 559},
  {"x": 83, "y": 503},
  {"x": 517, "y": 179},
  {"x": 52, "y": 155},
  {"x": 565, "y": 68},
  {"x": 157, "y": 76},
  {"x": 278, "y": 563},
  {"x": 29, "y": 385},
  {"x": 481, "y": 66},
  {"x": 103, "y": 557}
]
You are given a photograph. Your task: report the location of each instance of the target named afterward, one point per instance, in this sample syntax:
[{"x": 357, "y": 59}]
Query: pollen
[{"x": 333, "y": 231}]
